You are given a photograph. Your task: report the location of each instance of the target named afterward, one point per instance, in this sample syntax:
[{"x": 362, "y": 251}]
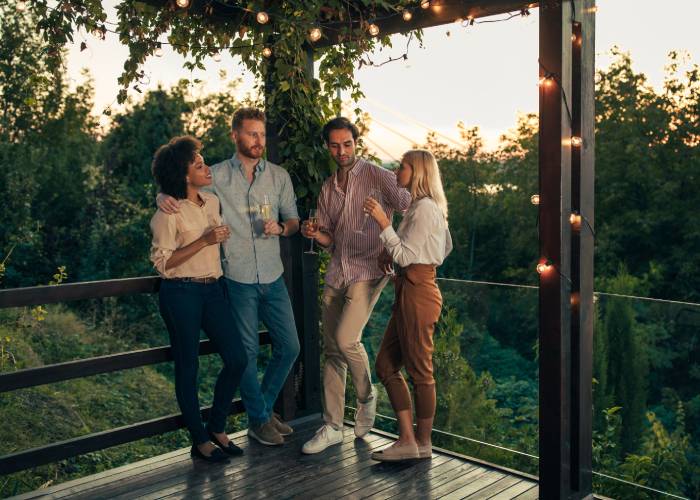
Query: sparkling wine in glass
[
  {"x": 313, "y": 226},
  {"x": 265, "y": 212},
  {"x": 376, "y": 194}
]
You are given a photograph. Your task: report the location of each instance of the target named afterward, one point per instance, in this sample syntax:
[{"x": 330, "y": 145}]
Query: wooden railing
[{"x": 33, "y": 377}]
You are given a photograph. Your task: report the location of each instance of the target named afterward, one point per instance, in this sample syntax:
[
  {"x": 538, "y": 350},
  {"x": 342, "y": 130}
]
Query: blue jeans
[
  {"x": 270, "y": 303},
  {"x": 187, "y": 308}
]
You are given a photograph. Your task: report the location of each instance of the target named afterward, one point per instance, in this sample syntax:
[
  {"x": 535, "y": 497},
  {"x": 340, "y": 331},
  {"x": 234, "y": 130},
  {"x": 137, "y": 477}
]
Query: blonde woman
[{"x": 418, "y": 246}]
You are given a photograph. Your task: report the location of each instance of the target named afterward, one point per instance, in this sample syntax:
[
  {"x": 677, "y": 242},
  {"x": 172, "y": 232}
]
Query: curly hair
[
  {"x": 246, "y": 114},
  {"x": 170, "y": 164},
  {"x": 340, "y": 123}
]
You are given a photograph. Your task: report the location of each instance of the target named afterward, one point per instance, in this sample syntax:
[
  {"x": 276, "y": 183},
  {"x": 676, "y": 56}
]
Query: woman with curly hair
[{"x": 185, "y": 252}]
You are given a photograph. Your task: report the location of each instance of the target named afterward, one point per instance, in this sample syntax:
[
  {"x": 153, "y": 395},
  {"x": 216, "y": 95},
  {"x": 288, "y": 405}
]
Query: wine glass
[
  {"x": 265, "y": 213},
  {"x": 313, "y": 226},
  {"x": 376, "y": 194}
]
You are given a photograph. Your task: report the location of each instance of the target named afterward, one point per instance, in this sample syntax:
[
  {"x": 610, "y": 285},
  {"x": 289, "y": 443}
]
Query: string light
[
  {"x": 21, "y": 6},
  {"x": 535, "y": 199},
  {"x": 544, "y": 81},
  {"x": 575, "y": 220},
  {"x": 262, "y": 17},
  {"x": 373, "y": 29},
  {"x": 183, "y": 4},
  {"x": 407, "y": 16},
  {"x": 575, "y": 298},
  {"x": 159, "y": 50},
  {"x": 424, "y": 4},
  {"x": 544, "y": 267},
  {"x": 576, "y": 141},
  {"x": 216, "y": 57},
  {"x": 267, "y": 52},
  {"x": 315, "y": 34}
]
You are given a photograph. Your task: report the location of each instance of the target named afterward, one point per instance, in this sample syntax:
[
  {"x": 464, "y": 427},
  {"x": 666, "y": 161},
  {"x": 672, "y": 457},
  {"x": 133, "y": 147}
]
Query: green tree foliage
[{"x": 622, "y": 359}]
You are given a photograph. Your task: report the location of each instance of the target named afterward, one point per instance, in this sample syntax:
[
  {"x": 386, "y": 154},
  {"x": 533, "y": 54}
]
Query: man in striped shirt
[{"x": 354, "y": 278}]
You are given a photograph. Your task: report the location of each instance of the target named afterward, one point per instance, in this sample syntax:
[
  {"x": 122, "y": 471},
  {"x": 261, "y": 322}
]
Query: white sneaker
[
  {"x": 364, "y": 416},
  {"x": 326, "y": 436}
]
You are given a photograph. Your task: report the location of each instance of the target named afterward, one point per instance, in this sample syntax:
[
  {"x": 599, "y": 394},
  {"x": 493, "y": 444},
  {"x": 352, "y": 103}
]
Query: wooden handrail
[
  {"x": 34, "y": 457},
  {"x": 51, "y": 294},
  {"x": 80, "y": 368}
]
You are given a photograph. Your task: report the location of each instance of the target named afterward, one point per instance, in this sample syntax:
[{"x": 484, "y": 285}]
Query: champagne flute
[
  {"x": 265, "y": 213},
  {"x": 313, "y": 226},
  {"x": 376, "y": 194}
]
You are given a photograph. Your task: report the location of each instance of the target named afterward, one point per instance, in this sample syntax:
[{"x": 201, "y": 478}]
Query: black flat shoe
[
  {"x": 231, "y": 449},
  {"x": 216, "y": 456}
]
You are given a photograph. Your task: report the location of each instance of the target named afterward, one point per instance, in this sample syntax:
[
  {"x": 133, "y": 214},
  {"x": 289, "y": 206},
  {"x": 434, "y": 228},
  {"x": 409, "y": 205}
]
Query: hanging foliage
[{"x": 275, "y": 41}]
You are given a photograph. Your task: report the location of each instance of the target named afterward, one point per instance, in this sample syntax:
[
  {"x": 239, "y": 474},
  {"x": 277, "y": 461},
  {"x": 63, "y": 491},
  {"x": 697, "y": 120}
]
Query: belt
[{"x": 205, "y": 281}]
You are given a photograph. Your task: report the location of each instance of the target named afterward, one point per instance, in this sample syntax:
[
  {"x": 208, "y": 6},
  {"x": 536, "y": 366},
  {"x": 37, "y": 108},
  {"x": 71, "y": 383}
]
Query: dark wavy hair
[
  {"x": 246, "y": 114},
  {"x": 170, "y": 165},
  {"x": 340, "y": 123}
]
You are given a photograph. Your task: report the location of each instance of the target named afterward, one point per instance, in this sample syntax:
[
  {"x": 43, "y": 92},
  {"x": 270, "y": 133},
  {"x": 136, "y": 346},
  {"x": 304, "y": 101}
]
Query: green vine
[{"x": 297, "y": 104}]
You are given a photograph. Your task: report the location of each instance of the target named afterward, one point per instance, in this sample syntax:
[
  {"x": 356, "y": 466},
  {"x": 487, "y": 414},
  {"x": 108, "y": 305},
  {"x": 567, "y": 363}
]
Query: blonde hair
[{"x": 426, "y": 180}]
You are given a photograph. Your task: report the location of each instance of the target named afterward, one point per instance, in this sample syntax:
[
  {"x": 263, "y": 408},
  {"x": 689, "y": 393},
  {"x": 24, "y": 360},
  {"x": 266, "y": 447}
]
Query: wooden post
[
  {"x": 582, "y": 186},
  {"x": 566, "y": 289},
  {"x": 555, "y": 248},
  {"x": 301, "y": 393}
]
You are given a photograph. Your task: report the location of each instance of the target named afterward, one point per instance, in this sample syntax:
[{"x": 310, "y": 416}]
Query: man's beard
[
  {"x": 250, "y": 152},
  {"x": 345, "y": 163}
]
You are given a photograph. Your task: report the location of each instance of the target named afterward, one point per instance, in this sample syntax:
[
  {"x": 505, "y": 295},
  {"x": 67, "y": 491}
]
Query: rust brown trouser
[{"x": 408, "y": 340}]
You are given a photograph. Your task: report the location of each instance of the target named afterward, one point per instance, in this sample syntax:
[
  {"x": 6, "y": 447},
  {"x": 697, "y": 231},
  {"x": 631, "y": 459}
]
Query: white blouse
[{"x": 423, "y": 236}]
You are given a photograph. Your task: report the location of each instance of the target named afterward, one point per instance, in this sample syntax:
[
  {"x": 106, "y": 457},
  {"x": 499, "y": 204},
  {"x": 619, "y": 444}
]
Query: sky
[{"x": 483, "y": 75}]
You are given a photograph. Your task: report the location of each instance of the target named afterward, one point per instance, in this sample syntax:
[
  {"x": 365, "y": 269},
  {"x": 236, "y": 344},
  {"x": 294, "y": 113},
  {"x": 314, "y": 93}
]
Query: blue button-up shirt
[{"x": 250, "y": 257}]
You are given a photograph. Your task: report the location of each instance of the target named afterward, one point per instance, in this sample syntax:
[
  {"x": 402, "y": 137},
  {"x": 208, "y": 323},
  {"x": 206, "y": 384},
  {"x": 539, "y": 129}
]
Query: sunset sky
[{"x": 483, "y": 75}]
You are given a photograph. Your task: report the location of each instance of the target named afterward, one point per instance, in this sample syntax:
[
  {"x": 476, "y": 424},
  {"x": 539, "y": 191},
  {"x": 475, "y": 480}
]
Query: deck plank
[{"x": 343, "y": 471}]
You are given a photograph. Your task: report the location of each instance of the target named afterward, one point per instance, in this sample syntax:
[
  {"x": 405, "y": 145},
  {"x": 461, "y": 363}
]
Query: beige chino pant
[{"x": 344, "y": 314}]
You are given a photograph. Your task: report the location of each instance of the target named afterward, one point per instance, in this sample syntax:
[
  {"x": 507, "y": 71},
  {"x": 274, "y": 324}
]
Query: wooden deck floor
[{"x": 344, "y": 471}]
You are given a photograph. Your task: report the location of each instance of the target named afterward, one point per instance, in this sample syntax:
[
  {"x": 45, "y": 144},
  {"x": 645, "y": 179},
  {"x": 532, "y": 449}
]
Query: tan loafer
[
  {"x": 425, "y": 451},
  {"x": 397, "y": 453}
]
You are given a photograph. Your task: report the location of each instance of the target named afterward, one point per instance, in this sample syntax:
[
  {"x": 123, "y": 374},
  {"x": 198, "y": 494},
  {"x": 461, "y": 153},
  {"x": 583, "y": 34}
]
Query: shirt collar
[
  {"x": 203, "y": 198},
  {"x": 359, "y": 167},
  {"x": 236, "y": 163}
]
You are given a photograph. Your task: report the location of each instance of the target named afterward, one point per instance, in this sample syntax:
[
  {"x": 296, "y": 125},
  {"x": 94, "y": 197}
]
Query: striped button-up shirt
[
  {"x": 354, "y": 255},
  {"x": 250, "y": 257}
]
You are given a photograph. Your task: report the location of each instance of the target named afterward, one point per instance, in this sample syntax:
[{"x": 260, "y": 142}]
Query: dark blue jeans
[
  {"x": 251, "y": 303},
  {"x": 187, "y": 308}
]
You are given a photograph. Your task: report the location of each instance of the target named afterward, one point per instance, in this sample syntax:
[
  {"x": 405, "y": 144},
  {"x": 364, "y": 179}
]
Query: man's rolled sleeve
[{"x": 288, "y": 200}]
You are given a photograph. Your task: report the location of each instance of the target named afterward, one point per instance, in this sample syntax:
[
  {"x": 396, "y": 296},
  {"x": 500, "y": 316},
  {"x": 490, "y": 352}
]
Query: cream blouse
[
  {"x": 173, "y": 231},
  {"x": 422, "y": 237}
]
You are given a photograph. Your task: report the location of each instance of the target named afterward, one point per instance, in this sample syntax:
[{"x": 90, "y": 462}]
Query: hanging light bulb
[
  {"x": 262, "y": 17},
  {"x": 21, "y": 6},
  {"x": 575, "y": 299},
  {"x": 216, "y": 57},
  {"x": 373, "y": 29},
  {"x": 183, "y": 4},
  {"x": 544, "y": 81},
  {"x": 535, "y": 199},
  {"x": 159, "y": 50},
  {"x": 424, "y": 4},
  {"x": 267, "y": 52},
  {"x": 464, "y": 22},
  {"x": 543, "y": 267},
  {"x": 315, "y": 34},
  {"x": 576, "y": 141},
  {"x": 407, "y": 16}
]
